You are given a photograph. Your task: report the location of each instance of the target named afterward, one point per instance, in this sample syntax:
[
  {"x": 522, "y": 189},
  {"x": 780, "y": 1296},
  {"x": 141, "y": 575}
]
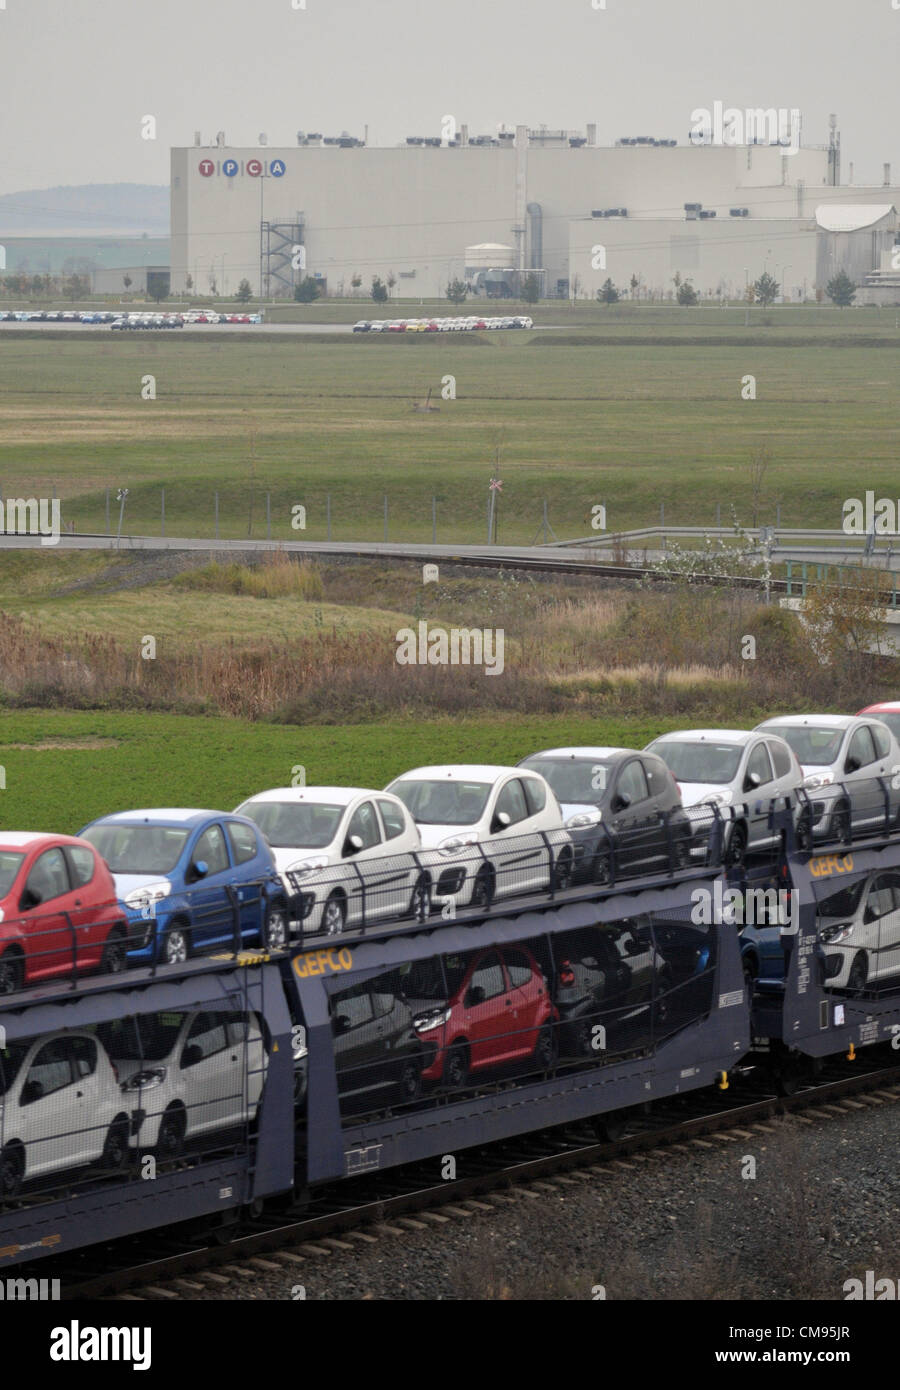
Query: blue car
[{"x": 182, "y": 875}]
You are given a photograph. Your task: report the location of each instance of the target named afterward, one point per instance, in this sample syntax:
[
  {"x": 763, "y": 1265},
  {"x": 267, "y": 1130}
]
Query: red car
[
  {"x": 498, "y": 1011},
  {"x": 58, "y": 906},
  {"x": 888, "y": 712}
]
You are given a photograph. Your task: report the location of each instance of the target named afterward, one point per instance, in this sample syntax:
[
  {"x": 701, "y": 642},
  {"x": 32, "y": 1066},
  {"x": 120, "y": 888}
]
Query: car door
[
  {"x": 889, "y": 937},
  {"x": 859, "y": 768},
  {"x": 91, "y": 920},
  {"x": 757, "y": 790},
  {"x": 400, "y": 871},
  {"x": 211, "y": 1079},
  {"x": 212, "y": 919},
  {"x": 635, "y": 822},
  {"x": 529, "y": 994},
  {"x": 51, "y": 941},
  {"x": 370, "y": 885},
  {"x": 51, "y": 1118},
  {"x": 519, "y": 858},
  {"x": 887, "y": 767},
  {"x": 359, "y": 1050},
  {"x": 90, "y": 1094},
  {"x": 245, "y": 878},
  {"x": 490, "y": 1016}
]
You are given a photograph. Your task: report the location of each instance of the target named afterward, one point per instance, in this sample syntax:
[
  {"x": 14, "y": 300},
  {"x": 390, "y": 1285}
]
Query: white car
[
  {"x": 483, "y": 825},
  {"x": 859, "y": 927},
  {"x": 189, "y": 1073},
  {"x": 523, "y": 321},
  {"x": 60, "y": 1107},
  {"x": 345, "y": 854},
  {"x": 740, "y": 772},
  {"x": 842, "y": 757}
]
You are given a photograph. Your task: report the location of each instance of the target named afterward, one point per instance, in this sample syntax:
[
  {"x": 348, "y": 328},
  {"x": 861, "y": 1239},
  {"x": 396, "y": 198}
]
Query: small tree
[
  {"x": 531, "y": 288},
  {"x": 687, "y": 295},
  {"x": 244, "y": 292},
  {"x": 211, "y": 280},
  {"x": 307, "y": 291},
  {"x": 379, "y": 289},
  {"x": 157, "y": 288},
  {"x": 391, "y": 282},
  {"x": 575, "y": 287},
  {"x": 608, "y": 294},
  {"x": 676, "y": 280},
  {"x": 457, "y": 291},
  {"x": 127, "y": 282},
  {"x": 635, "y": 285},
  {"x": 766, "y": 289},
  {"x": 188, "y": 283},
  {"x": 355, "y": 281},
  {"x": 841, "y": 289}
]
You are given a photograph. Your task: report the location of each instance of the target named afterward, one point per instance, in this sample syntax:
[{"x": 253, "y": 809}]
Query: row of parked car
[
  {"x": 147, "y": 886},
  {"x": 120, "y": 320},
  {"x": 457, "y": 324}
]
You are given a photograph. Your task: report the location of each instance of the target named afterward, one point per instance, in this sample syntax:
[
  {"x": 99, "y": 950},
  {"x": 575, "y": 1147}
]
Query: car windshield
[
  {"x": 442, "y": 802},
  {"x": 574, "y": 779},
  {"x": 9, "y": 867},
  {"x": 11, "y": 1057},
  {"x": 138, "y": 849},
  {"x": 700, "y": 762},
  {"x": 141, "y": 1037},
  {"x": 815, "y": 744},
  {"x": 425, "y": 980},
  {"x": 295, "y": 824},
  {"x": 843, "y": 903}
]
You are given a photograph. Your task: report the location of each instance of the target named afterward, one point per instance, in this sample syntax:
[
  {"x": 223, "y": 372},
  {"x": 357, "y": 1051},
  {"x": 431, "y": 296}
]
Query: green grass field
[
  {"x": 598, "y": 412},
  {"x": 63, "y": 769}
]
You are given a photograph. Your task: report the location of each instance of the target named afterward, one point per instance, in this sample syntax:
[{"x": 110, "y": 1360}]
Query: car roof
[
  {"x": 462, "y": 772},
  {"x": 797, "y": 721},
  {"x": 22, "y": 839},
  {"x": 607, "y": 754},
  {"x": 887, "y": 706},
  {"x": 340, "y": 796},
  {"x": 178, "y": 815},
  {"x": 708, "y": 735}
]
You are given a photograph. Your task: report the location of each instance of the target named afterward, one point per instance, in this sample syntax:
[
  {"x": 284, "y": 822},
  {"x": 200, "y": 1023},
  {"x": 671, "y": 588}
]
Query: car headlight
[
  {"x": 145, "y": 1080},
  {"x": 817, "y": 779},
  {"x": 305, "y": 867},
  {"x": 582, "y": 819},
  {"x": 142, "y": 898},
  {"x": 837, "y": 933},
  {"x": 424, "y": 1023},
  {"x": 457, "y": 842}
]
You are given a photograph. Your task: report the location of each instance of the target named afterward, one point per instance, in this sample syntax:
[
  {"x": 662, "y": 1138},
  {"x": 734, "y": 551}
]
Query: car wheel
[
  {"x": 334, "y": 915},
  {"x": 736, "y": 851},
  {"x": 12, "y": 1170},
  {"x": 545, "y": 1047},
  {"x": 420, "y": 904},
  {"x": 115, "y": 954},
  {"x": 276, "y": 933},
  {"x": 12, "y": 972},
  {"x": 564, "y": 870},
  {"x": 456, "y": 1067},
  {"x": 803, "y": 832},
  {"x": 859, "y": 971},
  {"x": 177, "y": 945},
  {"x": 601, "y": 869},
  {"x": 411, "y": 1081},
  {"x": 170, "y": 1140},
  {"x": 840, "y": 825},
  {"x": 115, "y": 1150},
  {"x": 483, "y": 892}
]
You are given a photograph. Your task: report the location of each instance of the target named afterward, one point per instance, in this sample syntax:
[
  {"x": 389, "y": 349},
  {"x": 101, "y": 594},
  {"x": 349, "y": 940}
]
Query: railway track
[{"x": 155, "y": 1267}]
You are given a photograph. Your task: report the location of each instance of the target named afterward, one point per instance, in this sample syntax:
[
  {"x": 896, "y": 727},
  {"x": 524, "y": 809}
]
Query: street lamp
[{"x": 121, "y": 496}]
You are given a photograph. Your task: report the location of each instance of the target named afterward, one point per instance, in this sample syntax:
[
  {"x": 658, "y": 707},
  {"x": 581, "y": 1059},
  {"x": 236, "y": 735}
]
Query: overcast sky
[{"x": 78, "y": 76}]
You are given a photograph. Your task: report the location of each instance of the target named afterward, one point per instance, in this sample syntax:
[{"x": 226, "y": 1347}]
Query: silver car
[
  {"x": 741, "y": 772},
  {"x": 859, "y": 927},
  {"x": 851, "y": 764}
]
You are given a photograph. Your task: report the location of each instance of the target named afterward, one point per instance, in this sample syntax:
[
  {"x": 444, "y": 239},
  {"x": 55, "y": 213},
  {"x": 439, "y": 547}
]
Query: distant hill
[{"x": 91, "y": 209}]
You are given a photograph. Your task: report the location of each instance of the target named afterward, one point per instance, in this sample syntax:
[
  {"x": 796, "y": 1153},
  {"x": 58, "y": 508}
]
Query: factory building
[{"x": 489, "y": 210}]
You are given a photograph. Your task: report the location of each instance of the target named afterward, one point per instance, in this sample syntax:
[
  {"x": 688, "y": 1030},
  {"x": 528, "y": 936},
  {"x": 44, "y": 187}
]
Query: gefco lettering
[
  {"x": 323, "y": 962},
  {"x": 827, "y": 864}
]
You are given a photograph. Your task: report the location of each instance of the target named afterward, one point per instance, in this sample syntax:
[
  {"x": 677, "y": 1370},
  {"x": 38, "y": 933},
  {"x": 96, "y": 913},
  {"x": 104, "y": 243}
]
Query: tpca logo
[{"x": 253, "y": 168}]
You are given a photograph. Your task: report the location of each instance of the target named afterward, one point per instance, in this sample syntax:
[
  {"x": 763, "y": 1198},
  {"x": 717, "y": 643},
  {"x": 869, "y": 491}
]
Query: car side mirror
[
  {"x": 751, "y": 781},
  {"x": 851, "y": 765},
  {"x": 475, "y": 996},
  {"x": 501, "y": 821},
  {"x": 200, "y": 869},
  {"x": 31, "y": 1091},
  {"x": 352, "y": 845},
  {"x": 341, "y": 1023},
  {"x": 622, "y": 801},
  {"x": 30, "y": 898}
]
